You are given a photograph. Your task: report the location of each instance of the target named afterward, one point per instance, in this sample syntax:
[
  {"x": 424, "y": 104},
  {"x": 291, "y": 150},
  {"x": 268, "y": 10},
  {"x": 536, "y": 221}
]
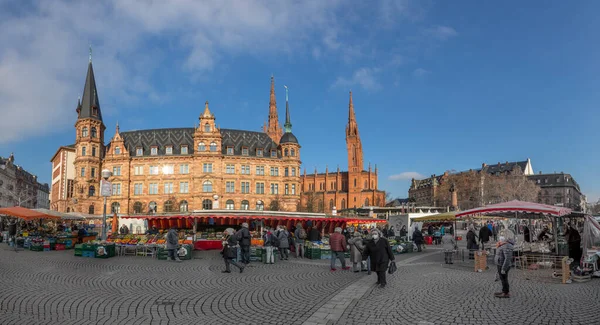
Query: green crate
[
  {"x": 36, "y": 248},
  {"x": 89, "y": 247},
  {"x": 313, "y": 253},
  {"x": 79, "y": 246},
  {"x": 78, "y": 252}
]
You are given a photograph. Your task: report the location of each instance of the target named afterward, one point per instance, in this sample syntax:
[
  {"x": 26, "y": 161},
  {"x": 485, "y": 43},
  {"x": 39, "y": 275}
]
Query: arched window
[
  {"x": 285, "y": 152},
  {"x": 91, "y": 209},
  {"x": 260, "y": 205},
  {"x": 137, "y": 207},
  {"x": 68, "y": 209},
  {"x": 321, "y": 207},
  {"x": 245, "y": 205},
  {"x": 117, "y": 150},
  {"x": 229, "y": 205},
  {"x": 343, "y": 204},
  {"x": 92, "y": 191},
  {"x": 207, "y": 204},
  {"x": 213, "y": 147},
  {"x": 84, "y": 132},
  {"x": 183, "y": 206},
  {"x": 293, "y": 153},
  {"x": 168, "y": 206},
  {"x": 367, "y": 202},
  {"x": 331, "y": 204},
  {"x": 201, "y": 146},
  {"x": 94, "y": 132},
  {"x": 93, "y": 151},
  {"x": 207, "y": 187},
  {"x": 115, "y": 207},
  {"x": 152, "y": 205},
  {"x": 206, "y": 127},
  {"x": 355, "y": 182}
]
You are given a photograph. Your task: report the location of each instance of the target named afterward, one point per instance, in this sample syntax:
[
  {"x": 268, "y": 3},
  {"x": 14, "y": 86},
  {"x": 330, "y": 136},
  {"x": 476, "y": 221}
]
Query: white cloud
[
  {"x": 405, "y": 176},
  {"x": 421, "y": 73},
  {"x": 363, "y": 77},
  {"x": 441, "y": 32}
]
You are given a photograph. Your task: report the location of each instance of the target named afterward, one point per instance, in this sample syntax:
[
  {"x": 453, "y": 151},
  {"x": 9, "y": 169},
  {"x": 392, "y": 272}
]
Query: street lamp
[
  {"x": 216, "y": 203},
  {"x": 105, "y": 191}
]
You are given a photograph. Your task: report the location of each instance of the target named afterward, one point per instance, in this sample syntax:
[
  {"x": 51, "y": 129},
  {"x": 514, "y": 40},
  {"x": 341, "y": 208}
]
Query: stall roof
[
  {"x": 508, "y": 209},
  {"x": 26, "y": 214},
  {"x": 446, "y": 216},
  {"x": 64, "y": 216}
]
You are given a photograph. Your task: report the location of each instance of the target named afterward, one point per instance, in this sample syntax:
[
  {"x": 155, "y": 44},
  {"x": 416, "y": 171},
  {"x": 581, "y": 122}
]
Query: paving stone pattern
[{"x": 59, "y": 288}]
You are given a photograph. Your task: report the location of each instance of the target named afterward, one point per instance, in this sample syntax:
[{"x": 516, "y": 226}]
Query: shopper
[
  {"x": 472, "y": 242},
  {"x": 356, "y": 249},
  {"x": 301, "y": 236},
  {"x": 284, "y": 242},
  {"x": 403, "y": 232},
  {"x": 314, "y": 235},
  {"x": 504, "y": 254},
  {"x": 172, "y": 243},
  {"x": 338, "y": 245},
  {"x": 418, "y": 238},
  {"x": 229, "y": 252},
  {"x": 484, "y": 236},
  {"x": 244, "y": 238},
  {"x": 573, "y": 239},
  {"x": 380, "y": 252},
  {"x": 269, "y": 240},
  {"x": 449, "y": 248}
]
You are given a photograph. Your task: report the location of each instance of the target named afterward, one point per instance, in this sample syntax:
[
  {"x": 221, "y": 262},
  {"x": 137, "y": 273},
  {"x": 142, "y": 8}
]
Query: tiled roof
[
  {"x": 554, "y": 180},
  {"x": 177, "y": 137},
  {"x": 504, "y": 167}
]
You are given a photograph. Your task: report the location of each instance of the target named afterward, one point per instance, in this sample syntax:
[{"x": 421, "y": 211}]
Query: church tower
[
  {"x": 290, "y": 150},
  {"x": 273, "y": 128},
  {"x": 353, "y": 144},
  {"x": 89, "y": 143}
]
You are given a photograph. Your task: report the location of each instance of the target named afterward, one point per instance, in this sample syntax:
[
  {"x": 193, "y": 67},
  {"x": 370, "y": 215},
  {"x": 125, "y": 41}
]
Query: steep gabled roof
[{"x": 89, "y": 100}]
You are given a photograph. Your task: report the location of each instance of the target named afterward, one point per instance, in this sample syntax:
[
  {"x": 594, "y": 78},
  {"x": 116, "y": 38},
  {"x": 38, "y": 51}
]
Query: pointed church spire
[
  {"x": 273, "y": 127},
  {"x": 90, "y": 53},
  {"x": 288, "y": 124},
  {"x": 351, "y": 116},
  {"x": 207, "y": 112},
  {"x": 117, "y": 129},
  {"x": 90, "y": 105}
]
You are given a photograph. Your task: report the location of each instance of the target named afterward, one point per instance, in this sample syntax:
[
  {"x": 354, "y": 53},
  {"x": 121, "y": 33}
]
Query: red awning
[
  {"x": 26, "y": 214},
  {"x": 516, "y": 207}
]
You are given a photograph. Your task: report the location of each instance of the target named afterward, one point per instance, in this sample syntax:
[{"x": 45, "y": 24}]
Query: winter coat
[
  {"x": 471, "y": 240},
  {"x": 267, "y": 239},
  {"x": 484, "y": 234},
  {"x": 380, "y": 253},
  {"x": 284, "y": 241},
  {"x": 504, "y": 254},
  {"x": 172, "y": 239},
  {"x": 243, "y": 236},
  {"x": 297, "y": 235},
  {"x": 526, "y": 234},
  {"x": 337, "y": 242},
  {"x": 430, "y": 230},
  {"x": 314, "y": 235},
  {"x": 356, "y": 248},
  {"x": 391, "y": 233},
  {"x": 418, "y": 237},
  {"x": 403, "y": 232},
  {"x": 230, "y": 247},
  {"x": 448, "y": 242}
]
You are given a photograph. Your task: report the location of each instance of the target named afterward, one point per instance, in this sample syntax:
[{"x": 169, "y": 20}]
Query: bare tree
[
  {"x": 504, "y": 188},
  {"x": 275, "y": 204},
  {"x": 468, "y": 189},
  {"x": 23, "y": 197}
]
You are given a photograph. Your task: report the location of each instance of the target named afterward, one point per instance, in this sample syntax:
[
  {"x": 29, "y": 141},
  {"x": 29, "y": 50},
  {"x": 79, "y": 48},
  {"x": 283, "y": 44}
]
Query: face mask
[
  {"x": 375, "y": 237},
  {"x": 502, "y": 238}
]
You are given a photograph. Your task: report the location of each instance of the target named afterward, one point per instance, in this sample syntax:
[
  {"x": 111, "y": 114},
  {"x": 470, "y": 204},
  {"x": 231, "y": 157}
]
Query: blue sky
[{"x": 438, "y": 85}]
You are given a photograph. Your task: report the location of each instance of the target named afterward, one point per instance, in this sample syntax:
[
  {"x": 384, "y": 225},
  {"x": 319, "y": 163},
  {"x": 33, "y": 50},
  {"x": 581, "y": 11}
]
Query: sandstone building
[{"x": 19, "y": 187}]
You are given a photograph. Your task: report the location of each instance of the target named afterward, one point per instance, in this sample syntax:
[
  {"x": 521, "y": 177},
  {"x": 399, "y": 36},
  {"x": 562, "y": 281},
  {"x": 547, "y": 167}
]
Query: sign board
[{"x": 105, "y": 188}]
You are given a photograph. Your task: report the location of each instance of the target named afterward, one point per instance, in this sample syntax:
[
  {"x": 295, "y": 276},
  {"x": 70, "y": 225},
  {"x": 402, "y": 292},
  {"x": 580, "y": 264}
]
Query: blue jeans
[{"x": 340, "y": 256}]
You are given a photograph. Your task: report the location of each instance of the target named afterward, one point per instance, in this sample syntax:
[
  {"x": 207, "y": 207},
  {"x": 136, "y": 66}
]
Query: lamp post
[
  {"x": 105, "y": 191},
  {"x": 216, "y": 203}
]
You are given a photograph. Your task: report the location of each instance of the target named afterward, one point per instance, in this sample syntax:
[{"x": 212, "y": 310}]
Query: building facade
[
  {"x": 18, "y": 187},
  {"x": 178, "y": 169},
  {"x": 340, "y": 190},
  {"x": 559, "y": 189}
]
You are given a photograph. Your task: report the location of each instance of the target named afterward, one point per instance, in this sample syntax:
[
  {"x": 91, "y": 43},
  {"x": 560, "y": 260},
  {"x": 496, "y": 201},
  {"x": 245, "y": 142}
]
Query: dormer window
[
  {"x": 259, "y": 152},
  {"x": 213, "y": 147},
  {"x": 201, "y": 146},
  {"x": 558, "y": 179},
  {"x": 153, "y": 151},
  {"x": 117, "y": 150},
  {"x": 230, "y": 151},
  {"x": 95, "y": 111},
  {"x": 184, "y": 150},
  {"x": 169, "y": 150},
  {"x": 84, "y": 132},
  {"x": 567, "y": 179},
  {"x": 273, "y": 153},
  {"x": 244, "y": 151},
  {"x": 545, "y": 181},
  {"x": 94, "y": 132},
  {"x": 139, "y": 151},
  {"x": 206, "y": 127},
  {"x": 539, "y": 181}
]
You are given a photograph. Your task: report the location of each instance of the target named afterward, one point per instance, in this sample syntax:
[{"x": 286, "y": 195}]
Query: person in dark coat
[
  {"x": 472, "y": 241},
  {"x": 574, "y": 242},
  {"x": 526, "y": 234},
  {"x": 403, "y": 232},
  {"x": 430, "y": 230},
  {"x": 484, "y": 236},
  {"x": 229, "y": 252},
  {"x": 314, "y": 234},
  {"x": 380, "y": 252},
  {"x": 418, "y": 238},
  {"x": 172, "y": 243},
  {"x": 243, "y": 236}
]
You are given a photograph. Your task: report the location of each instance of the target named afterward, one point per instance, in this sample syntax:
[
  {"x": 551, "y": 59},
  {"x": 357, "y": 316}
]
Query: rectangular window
[
  {"x": 286, "y": 173},
  {"x": 93, "y": 172},
  {"x": 230, "y": 187},
  {"x": 116, "y": 189},
  {"x": 83, "y": 150},
  {"x": 168, "y": 169},
  {"x": 230, "y": 169},
  {"x": 184, "y": 169},
  {"x": 138, "y": 170},
  {"x": 184, "y": 150},
  {"x": 153, "y": 188},
  {"x": 154, "y": 151},
  {"x": 244, "y": 151},
  {"x": 293, "y": 171},
  {"x": 137, "y": 189},
  {"x": 260, "y": 170},
  {"x": 117, "y": 171},
  {"x": 293, "y": 189},
  {"x": 70, "y": 187},
  {"x": 207, "y": 168},
  {"x": 169, "y": 150},
  {"x": 259, "y": 152},
  {"x": 230, "y": 151},
  {"x": 139, "y": 152},
  {"x": 274, "y": 171},
  {"x": 260, "y": 188},
  {"x": 93, "y": 151},
  {"x": 245, "y": 170},
  {"x": 183, "y": 187},
  {"x": 273, "y": 153},
  {"x": 274, "y": 188},
  {"x": 83, "y": 172},
  {"x": 168, "y": 188},
  {"x": 153, "y": 170},
  {"x": 287, "y": 189},
  {"x": 245, "y": 187}
]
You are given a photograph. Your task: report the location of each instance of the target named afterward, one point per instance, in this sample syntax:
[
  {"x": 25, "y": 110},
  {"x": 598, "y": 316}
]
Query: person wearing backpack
[
  {"x": 284, "y": 242},
  {"x": 244, "y": 238},
  {"x": 270, "y": 241},
  {"x": 301, "y": 236}
]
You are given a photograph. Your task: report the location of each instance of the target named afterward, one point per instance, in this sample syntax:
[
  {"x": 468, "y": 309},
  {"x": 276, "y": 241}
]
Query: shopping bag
[{"x": 392, "y": 268}]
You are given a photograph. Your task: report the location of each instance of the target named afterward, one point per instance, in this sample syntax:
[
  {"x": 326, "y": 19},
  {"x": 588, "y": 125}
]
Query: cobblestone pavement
[{"x": 59, "y": 288}]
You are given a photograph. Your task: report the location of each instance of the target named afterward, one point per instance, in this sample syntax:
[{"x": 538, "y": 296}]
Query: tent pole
[{"x": 556, "y": 235}]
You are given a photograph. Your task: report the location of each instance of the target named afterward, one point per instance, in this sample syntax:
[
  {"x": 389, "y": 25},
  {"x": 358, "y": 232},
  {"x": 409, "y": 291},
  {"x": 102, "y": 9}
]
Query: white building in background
[
  {"x": 18, "y": 187},
  {"x": 8, "y": 181}
]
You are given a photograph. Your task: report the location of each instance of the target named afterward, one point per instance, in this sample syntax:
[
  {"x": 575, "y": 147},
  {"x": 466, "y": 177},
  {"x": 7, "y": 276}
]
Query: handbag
[{"x": 392, "y": 268}]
